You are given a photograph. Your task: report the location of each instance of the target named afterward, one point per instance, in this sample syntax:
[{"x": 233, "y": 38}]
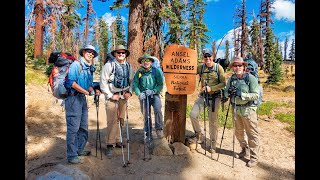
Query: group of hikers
[{"x": 118, "y": 82}]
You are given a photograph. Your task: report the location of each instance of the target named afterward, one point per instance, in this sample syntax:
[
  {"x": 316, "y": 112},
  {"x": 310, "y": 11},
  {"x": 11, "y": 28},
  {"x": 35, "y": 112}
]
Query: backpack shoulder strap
[
  {"x": 216, "y": 69},
  {"x": 153, "y": 72},
  {"x": 202, "y": 69},
  {"x": 246, "y": 78}
]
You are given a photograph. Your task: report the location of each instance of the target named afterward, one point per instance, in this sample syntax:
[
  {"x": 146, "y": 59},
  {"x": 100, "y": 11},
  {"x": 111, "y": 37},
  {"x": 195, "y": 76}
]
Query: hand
[
  {"x": 91, "y": 93},
  {"x": 208, "y": 88},
  {"x": 127, "y": 95},
  {"x": 98, "y": 92},
  {"x": 149, "y": 92},
  {"x": 142, "y": 96},
  {"x": 232, "y": 91}
]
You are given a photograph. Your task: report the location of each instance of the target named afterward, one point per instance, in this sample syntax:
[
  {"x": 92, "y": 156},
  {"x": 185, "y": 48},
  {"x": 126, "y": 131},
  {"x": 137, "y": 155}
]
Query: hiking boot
[
  {"x": 159, "y": 133},
  {"x": 84, "y": 153},
  {"x": 252, "y": 163},
  {"x": 75, "y": 160},
  {"x": 120, "y": 145},
  {"x": 199, "y": 137},
  {"x": 245, "y": 152},
  {"x": 109, "y": 151}
]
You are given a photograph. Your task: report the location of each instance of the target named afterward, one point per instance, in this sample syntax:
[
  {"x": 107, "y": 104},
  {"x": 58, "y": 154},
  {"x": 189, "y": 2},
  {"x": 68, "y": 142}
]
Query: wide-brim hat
[
  {"x": 86, "y": 48},
  {"x": 145, "y": 56},
  {"x": 238, "y": 60},
  {"x": 120, "y": 47}
]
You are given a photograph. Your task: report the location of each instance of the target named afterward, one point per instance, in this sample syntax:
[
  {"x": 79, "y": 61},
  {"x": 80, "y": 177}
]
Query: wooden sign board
[
  {"x": 179, "y": 59},
  {"x": 180, "y": 83}
]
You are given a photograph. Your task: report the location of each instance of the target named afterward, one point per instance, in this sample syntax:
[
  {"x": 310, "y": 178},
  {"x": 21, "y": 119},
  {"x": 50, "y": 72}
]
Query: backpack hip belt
[
  {"x": 250, "y": 103},
  {"x": 212, "y": 97}
]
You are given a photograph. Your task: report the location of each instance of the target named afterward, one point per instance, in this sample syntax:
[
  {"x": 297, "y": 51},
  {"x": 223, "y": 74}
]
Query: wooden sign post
[{"x": 180, "y": 67}]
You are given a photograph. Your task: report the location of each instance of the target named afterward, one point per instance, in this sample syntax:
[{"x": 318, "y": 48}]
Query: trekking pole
[
  {"x": 149, "y": 129},
  {"x": 144, "y": 127},
  {"x": 118, "y": 113},
  {"x": 224, "y": 127},
  {"x": 206, "y": 103},
  {"x": 96, "y": 101},
  {"x": 128, "y": 142},
  {"x": 234, "y": 127}
]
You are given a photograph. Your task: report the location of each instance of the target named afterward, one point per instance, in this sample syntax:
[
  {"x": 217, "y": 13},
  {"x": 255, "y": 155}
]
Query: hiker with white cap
[
  {"x": 79, "y": 83},
  {"x": 242, "y": 96},
  {"x": 211, "y": 76},
  {"x": 115, "y": 83}
]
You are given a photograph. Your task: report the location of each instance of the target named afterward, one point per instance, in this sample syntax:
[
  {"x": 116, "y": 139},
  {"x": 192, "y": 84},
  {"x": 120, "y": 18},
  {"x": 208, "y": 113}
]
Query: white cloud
[
  {"x": 284, "y": 9},
  {"x": 108, "y": 18}
]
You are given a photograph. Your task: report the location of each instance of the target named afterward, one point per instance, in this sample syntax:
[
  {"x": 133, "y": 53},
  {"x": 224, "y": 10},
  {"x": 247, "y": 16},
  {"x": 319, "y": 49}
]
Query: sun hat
[
  {"x": 86, "y": 48},
  {"x": 120, "y": 47},
  {"x": 239, "y": 60},
  {"x": 145, "y": 56}
]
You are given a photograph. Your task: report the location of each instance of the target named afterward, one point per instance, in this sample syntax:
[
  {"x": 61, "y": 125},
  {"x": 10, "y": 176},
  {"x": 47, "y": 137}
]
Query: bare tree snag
[{"x": 38, "y": 40}]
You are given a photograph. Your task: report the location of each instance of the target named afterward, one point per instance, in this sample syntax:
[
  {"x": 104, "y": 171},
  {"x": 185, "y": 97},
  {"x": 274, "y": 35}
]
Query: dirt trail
[{"x": 47, "y": 148}]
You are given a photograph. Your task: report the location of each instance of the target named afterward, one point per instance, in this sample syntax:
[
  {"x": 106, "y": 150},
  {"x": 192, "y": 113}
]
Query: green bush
[
  {"x": 33, "y": 76},
  {"x": 287, "y": 118},
  {"x": 267, "y": 107}
]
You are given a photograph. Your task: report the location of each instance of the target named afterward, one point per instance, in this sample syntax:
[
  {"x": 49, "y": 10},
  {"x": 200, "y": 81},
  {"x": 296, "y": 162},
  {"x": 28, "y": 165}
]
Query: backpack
[
  {"x": 117, "y": 81},
  {"x": 61, "y": 63},
  {"x": 252, "y": 68},
  {"x": 257, "y": 102},
  {"x": 156, "y": 64},
  {"x": 223, "y": 62}
]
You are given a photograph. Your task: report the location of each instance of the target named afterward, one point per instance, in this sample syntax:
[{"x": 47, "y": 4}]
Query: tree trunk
[
  {"x": 135, "y": 41},
  {"x": 38, "y": 42}
]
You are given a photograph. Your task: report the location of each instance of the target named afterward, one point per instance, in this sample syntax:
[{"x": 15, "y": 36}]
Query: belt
[
  {"x": 75, "y": 93},
  {"x": 243, "y": 105}
]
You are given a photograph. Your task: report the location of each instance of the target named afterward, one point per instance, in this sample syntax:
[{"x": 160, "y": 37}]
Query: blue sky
[{"x": 219, "y": 18}]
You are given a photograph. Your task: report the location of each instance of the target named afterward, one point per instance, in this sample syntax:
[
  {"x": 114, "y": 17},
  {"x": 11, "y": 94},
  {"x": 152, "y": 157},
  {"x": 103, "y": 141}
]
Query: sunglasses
[
  {"x": 205, "y": 56},
  {"x": 145, "y": 60},
  {"x": 121, "y": 52},
  {"x": 90, "y": 51},
  {"x": 237, "y": 65}
]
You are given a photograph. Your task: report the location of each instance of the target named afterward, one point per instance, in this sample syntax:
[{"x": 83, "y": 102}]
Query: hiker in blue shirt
[
  {"x": 147, "y": 85},
  {"x": 79, "y": 84}
]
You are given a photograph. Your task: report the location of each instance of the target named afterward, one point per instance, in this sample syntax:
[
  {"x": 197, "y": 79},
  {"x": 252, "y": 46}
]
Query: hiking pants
[
  {"x": 247, "y": 131},
  {"x": 155, "y": 102},
  {"x": 113, "y": 131},
  {"x": 213, "y": 117},
  {"x": 77, "y": 124}
]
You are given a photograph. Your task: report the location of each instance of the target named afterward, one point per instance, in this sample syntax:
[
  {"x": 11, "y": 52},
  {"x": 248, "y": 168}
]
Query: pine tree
[
  {"x": 273, "y": 59},
  {"x": 292, "y": 51}
]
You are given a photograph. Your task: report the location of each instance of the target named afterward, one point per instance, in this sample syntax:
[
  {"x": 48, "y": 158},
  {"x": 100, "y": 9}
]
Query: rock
[
  {"x": 180, "y": 148},
  {"x": 289, "y": 88},
  {"x": 161, "y": 148},
  {"x": 64, "y": 173}
]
